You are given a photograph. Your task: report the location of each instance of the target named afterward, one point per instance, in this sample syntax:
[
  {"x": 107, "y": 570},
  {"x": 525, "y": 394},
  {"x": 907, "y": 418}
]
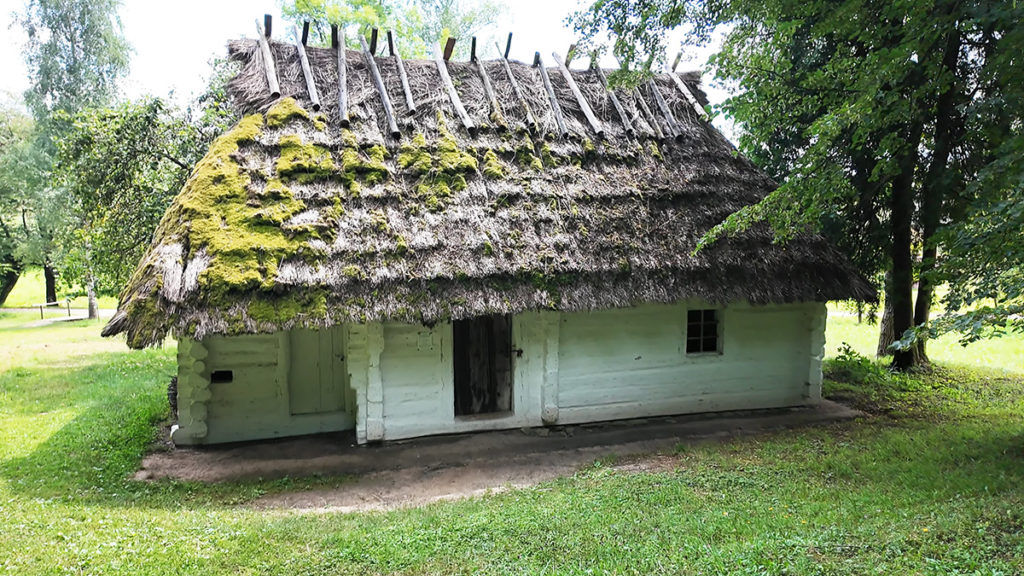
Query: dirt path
[
  {"x": 425, "y": 470},
  {"x": 422, "y": 485}
]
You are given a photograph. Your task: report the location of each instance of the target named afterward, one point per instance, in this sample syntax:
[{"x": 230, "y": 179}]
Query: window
[{"x": 701, "y": 331}]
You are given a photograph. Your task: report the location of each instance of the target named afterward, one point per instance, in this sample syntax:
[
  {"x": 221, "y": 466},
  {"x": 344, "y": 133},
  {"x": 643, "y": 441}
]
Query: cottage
[{"x": 411, "y": 248}]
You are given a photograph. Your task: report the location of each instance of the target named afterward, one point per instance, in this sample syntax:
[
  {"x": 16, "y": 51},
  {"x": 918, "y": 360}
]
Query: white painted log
[
  {"x": 307, "y": 72},
  {"x": 595, "y": 124},
  {"x": 453, "y": 95},
  {"x": 685, "y": 90},
  {"x": 269, "y": 69}
]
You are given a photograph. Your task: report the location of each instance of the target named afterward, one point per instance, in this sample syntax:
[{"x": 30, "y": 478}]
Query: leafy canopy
[{"x": 420, "y": 26}]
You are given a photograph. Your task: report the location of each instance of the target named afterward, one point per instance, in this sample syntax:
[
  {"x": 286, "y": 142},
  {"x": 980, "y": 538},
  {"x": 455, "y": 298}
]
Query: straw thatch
[{"x": 292, "y": 221}]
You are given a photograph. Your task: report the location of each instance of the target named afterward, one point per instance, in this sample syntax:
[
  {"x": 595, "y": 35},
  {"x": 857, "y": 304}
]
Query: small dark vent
[{"x": 221, "y": 376}]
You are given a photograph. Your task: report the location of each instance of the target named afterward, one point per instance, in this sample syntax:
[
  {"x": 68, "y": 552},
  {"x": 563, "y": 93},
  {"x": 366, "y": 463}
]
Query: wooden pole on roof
[
  {"x": 496, "y": 115},
  {"x": 595, "y": 124},
  {"x": 268, "y": 58},
  {"x": 307, "y": 72},
  {"x": 338, "y": 41},
  {"x": 409, "y": 102},
  {"x": 373, "y": 42},
  {"x": 453, "y": 95},
  {"x": 670, "y": 119},
  {"x": 563, "y": 131},
  {"x": 626, "y": 123},
  {"x": 389, "y": 111},
  {"x": 701, "y": 113},
  {"x": 647, "y": 114},
  {"x": 449, "y": 47},
  {"x": 531, "y": 122}
]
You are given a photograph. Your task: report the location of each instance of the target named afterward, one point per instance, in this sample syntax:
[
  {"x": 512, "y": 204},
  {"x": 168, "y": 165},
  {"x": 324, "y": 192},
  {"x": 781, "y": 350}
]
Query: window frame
[{"x": 718, "y": 322}]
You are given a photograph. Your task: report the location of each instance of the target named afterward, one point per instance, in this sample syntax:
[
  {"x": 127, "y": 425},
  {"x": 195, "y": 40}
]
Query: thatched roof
[{"x": 292, "y": 220}]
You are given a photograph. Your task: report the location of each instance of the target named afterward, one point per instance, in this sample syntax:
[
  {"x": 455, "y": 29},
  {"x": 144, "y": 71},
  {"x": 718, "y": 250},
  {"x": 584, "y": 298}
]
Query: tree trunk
[
  {"x": 50, "y": 277},
  {"x": 885, "y": 336},
  {"x": 901, "y": 221},
  {"x": 937, "y": 186},
  {"x": 923, "y": 303},
  {"x": 7, "y": 281},
  {"x": 94, "y": 308}
]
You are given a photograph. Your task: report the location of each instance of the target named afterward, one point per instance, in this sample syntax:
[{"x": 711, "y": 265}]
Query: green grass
[
  {"x": 1005, "y": 353},
  {"x": 932, "y": 484},
  {"x": 30, "y": 290}
]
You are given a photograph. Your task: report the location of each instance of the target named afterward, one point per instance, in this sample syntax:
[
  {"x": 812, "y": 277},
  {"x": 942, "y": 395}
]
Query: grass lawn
[
  {"x": 31, "y": 290},
  {"x": 932, "y": 484}
]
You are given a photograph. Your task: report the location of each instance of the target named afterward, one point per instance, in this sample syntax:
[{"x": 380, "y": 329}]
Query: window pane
[
  {"x": 709, "y": 345},
  {"x": 693, "y": 316},
  {"x": 709, "y": 330},
  {"x": 692, "y": 345},
  {"x": 709, "y": 315}
]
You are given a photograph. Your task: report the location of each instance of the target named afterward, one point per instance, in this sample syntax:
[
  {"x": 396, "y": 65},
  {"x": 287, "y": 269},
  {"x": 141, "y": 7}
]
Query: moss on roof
[{"x": 291, "y": 220}]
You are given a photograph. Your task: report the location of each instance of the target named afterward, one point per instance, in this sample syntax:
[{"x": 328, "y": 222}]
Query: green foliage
[
  {"x": 984, "y": 261},
  {"x": 638, "y": 31},
  {"x": 120, "y": 167},
  {"x": 881, "y": 121},
  {"x": 420, "y": 26},
  {"x": 75, "y": 54},
  {"x": 20, "y": 168}
]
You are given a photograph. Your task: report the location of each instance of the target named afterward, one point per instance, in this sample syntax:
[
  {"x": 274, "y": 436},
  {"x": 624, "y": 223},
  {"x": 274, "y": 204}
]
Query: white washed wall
[
  {"x": 592, "y": 366},
  {"x": 255, "y": 404},
  {"x": 574, "y": 367},
  {"x": 417, "y": 384},
  {"x": 630, "y": 363}
]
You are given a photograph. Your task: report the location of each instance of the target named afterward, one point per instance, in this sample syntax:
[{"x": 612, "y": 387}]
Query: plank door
[
  {"x": 483, "y": 365},
  {"x": 317, "y": 378}
]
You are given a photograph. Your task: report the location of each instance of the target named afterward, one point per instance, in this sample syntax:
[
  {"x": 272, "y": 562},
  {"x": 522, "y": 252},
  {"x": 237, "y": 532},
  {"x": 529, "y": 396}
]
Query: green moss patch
[
  {"x": 368, "y": 166},
  {"x": 276, "y": 310},
  {"x": 415, "y": 157},
  {"x": 442, "y": 170},
  {"x": 240, "y": 232},
  {"x": 284, "y": 110},
  {"x": 525, "y": 154},
  {"x": 655, "y": 152},
  {"x": 493, "y": 167},
  {"x": 303, "y": 162}
]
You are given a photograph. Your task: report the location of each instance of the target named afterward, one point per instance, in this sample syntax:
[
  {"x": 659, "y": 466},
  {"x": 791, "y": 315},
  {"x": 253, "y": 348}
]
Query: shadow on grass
[
  {"x": 120, "y": 403},
  {"x": 118, "y": 397}
]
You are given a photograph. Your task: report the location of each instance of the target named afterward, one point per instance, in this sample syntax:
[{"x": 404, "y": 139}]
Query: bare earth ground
[{"x": 415, "y": 472}]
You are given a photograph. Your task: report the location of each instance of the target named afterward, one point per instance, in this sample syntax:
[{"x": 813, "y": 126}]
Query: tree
[
  {"x": 420, "y": 26},
  {"x": 15, "y": 163},
  {"x": 75, "y": 53},
  {"x": 875, "y": 117},
  {"x": 121, "y": 167}
]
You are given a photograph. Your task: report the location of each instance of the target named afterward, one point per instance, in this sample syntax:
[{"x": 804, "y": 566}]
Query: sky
[{"x": 172, "y": 46}]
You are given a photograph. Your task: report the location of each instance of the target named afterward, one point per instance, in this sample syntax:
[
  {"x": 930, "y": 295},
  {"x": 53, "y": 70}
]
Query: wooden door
[
  {"x": 317, "y": 378},
  {"x": 483, "y": 365}
]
